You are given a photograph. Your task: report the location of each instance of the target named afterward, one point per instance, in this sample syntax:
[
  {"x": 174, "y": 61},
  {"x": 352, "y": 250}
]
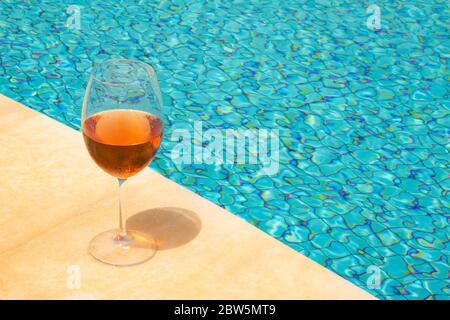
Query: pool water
[{"x": 363, "y": 114}]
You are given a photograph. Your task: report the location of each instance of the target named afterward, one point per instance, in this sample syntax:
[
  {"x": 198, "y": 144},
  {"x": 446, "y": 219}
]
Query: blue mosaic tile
[{"x": 363, "y": 115}]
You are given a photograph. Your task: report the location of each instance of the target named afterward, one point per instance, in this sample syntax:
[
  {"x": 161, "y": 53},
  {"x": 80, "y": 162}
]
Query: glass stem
[{"x": 122, "y": 224}]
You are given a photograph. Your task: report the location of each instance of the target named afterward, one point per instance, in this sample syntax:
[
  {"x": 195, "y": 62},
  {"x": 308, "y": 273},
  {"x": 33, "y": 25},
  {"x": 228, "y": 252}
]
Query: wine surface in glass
[{"x": 122, "y": 142}]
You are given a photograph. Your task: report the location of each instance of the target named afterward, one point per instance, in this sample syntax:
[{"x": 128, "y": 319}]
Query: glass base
[{"x": 134, "y": 248}]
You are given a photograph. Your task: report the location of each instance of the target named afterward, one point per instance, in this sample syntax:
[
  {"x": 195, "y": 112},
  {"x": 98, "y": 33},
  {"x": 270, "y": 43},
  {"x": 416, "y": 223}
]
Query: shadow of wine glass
[{"x": 170, "y": 227}]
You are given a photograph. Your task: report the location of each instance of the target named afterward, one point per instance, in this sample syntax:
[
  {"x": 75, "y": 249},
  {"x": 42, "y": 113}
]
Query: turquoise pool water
[{"x": 363, "y": 115}]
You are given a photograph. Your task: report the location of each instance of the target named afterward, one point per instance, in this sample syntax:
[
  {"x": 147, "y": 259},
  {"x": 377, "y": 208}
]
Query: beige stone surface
[{"x": 54, "y": 199}]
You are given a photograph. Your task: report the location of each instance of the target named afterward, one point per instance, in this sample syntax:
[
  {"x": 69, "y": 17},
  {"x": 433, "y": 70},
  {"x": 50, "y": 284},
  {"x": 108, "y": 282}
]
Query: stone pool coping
[{"x": 55, "y": 199}]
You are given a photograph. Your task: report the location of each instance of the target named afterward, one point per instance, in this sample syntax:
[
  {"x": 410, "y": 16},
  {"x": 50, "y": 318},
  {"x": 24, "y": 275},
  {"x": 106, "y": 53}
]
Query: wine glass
[{"x": 122, "y": 124}]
